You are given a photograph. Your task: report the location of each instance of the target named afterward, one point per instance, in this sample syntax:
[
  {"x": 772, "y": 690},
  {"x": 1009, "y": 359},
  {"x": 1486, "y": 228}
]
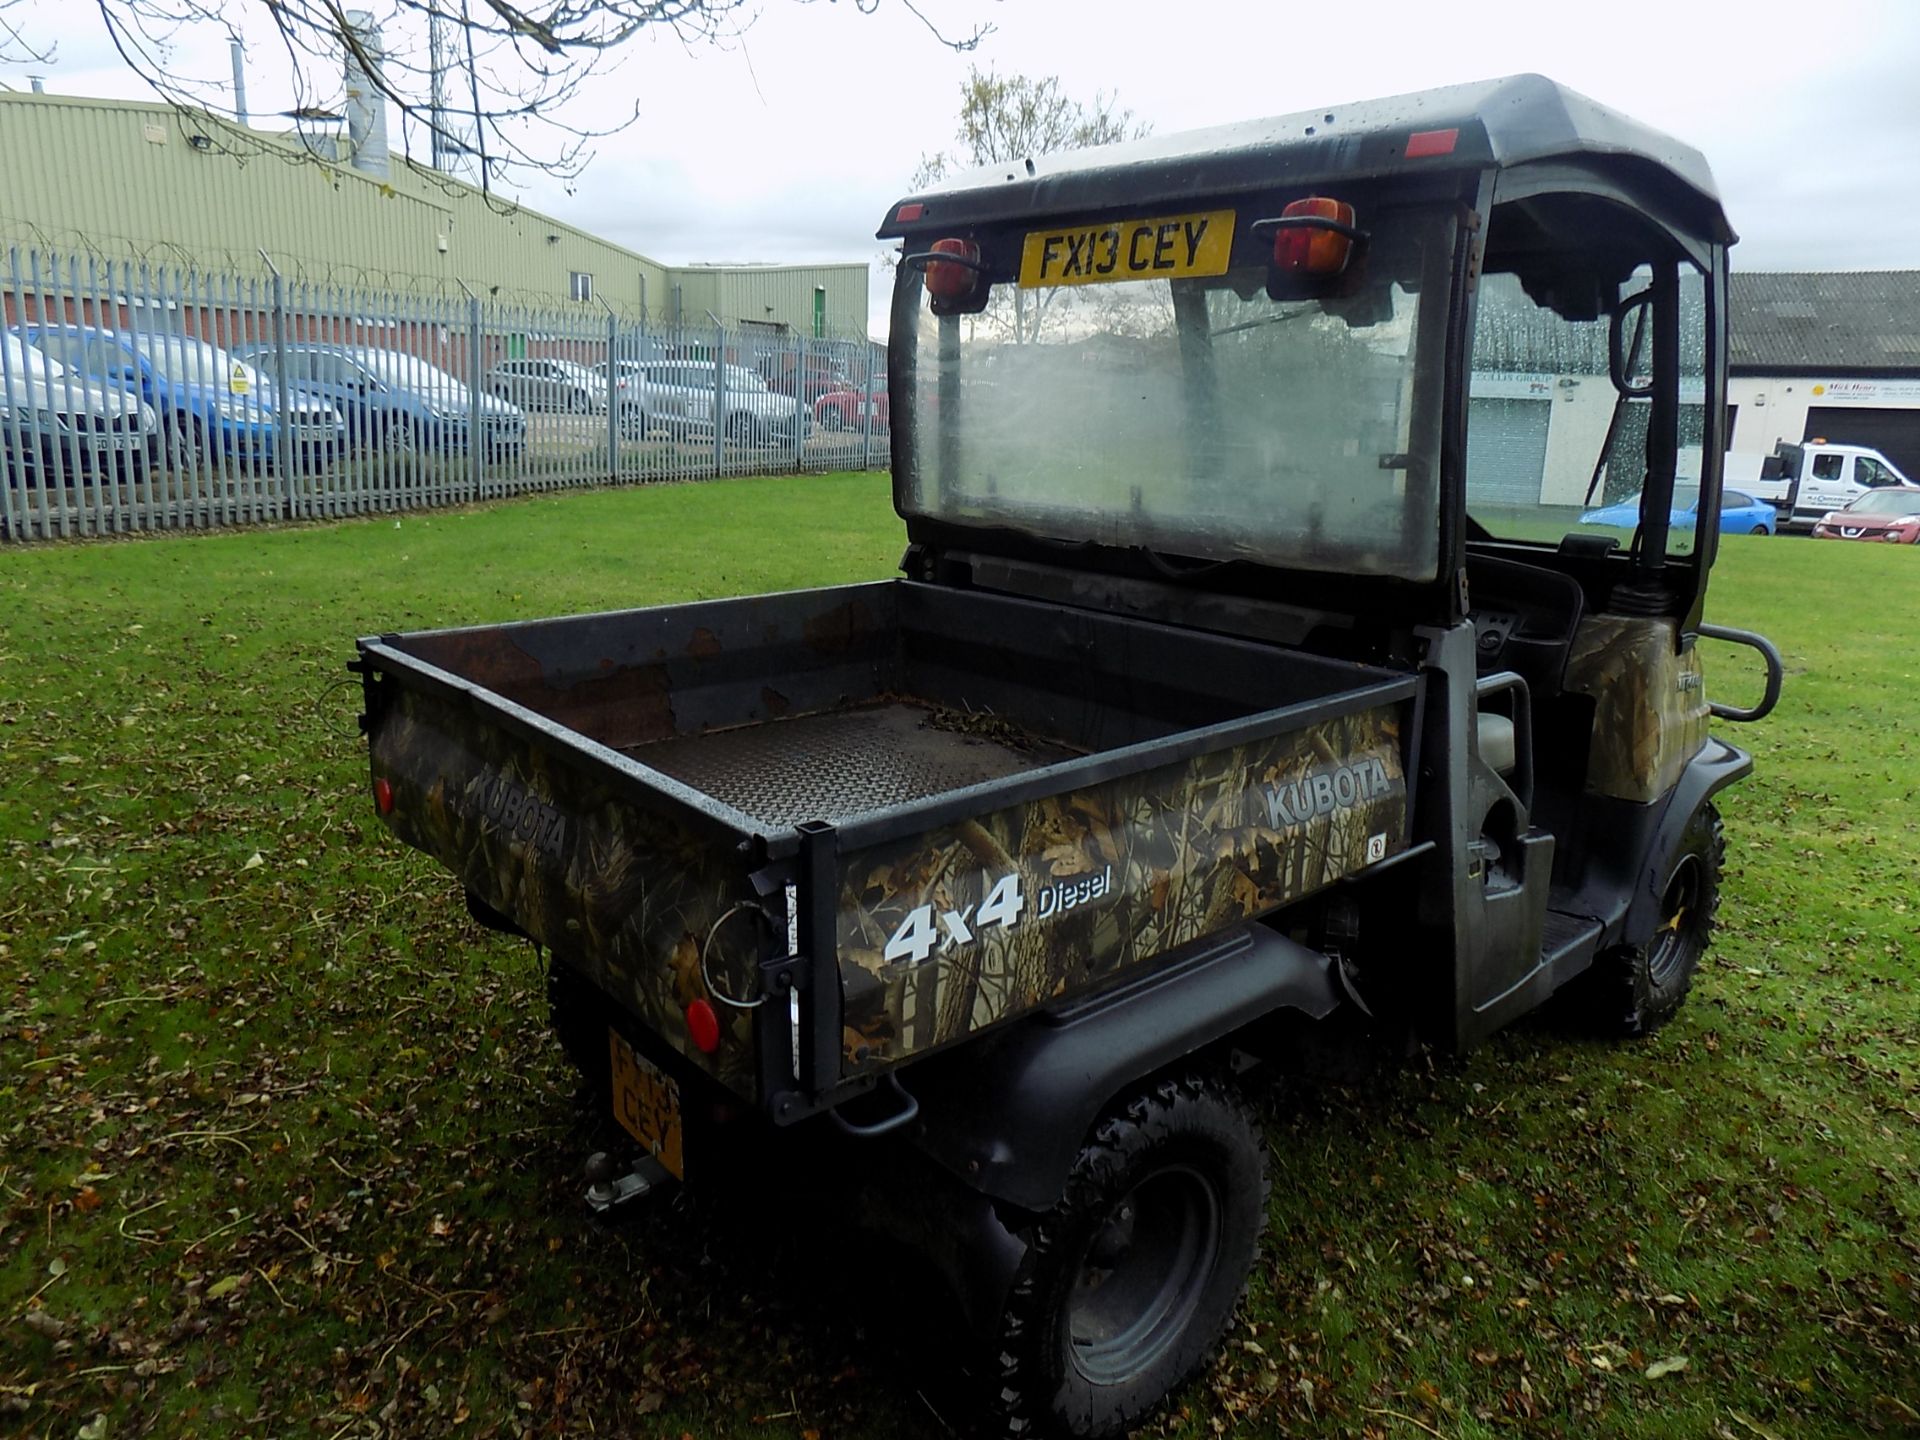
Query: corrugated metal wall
[
  {"x": 772, "y": 294},
  {"x": 128, "y": 180}
]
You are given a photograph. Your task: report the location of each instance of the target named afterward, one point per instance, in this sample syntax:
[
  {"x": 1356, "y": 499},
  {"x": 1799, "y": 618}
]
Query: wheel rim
[
  {"x": 1142, "y": 1275},
  {"x": 1679, "y": 908}
]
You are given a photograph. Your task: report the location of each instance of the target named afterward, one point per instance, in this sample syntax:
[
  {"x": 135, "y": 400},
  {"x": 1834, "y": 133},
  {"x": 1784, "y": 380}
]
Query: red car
[
  {"x": 846, "y": 409},
  {"x": 1884, "y": 515}
]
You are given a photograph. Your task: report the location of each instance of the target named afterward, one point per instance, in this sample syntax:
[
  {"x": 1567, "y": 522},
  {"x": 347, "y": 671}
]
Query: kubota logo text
[
  {"x": 524, "y": 815},
  {"x": 1294, "y": 802}
]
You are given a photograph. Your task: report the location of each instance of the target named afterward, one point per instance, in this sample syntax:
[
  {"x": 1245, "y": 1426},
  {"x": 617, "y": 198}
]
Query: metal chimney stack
[
  {"x": 239, "y": 55},
  {"x": 366, "y": 106}
]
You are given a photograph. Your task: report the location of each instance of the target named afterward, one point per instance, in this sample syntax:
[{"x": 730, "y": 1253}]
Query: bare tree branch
[
  {"x": 1008, "y": 119},
  {"x": 520, "y": 63}
]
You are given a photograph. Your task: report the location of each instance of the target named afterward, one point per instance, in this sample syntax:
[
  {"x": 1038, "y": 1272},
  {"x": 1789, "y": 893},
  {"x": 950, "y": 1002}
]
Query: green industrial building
[{"x": 135, "y": 181}]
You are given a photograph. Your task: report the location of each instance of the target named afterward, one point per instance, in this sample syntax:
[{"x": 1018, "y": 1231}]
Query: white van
[{"x": 1804, "y": 482}]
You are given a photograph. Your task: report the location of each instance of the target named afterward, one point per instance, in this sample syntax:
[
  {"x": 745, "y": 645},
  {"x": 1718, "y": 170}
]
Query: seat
[{"x": 1499, "y": 750}]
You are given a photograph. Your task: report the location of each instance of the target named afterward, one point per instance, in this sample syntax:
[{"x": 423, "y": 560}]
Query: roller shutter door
[
  {"x": 1894, "y": 433},
  {"x": 1506, "y": 450}
]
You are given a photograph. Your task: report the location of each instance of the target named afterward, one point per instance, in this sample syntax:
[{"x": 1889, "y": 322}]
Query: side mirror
[{"x": 1627, "y": 344}]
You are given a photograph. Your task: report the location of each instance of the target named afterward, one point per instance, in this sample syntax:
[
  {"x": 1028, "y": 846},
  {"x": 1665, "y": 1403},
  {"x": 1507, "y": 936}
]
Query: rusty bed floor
[{"x": 840, "y": 763}]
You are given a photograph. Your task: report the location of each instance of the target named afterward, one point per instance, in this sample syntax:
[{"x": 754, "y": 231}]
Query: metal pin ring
[{"x": 707, "y": 979}]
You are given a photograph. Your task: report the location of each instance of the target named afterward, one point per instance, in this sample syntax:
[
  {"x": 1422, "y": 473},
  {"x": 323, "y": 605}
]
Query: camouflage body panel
[
  {"x": 1650, "y": 704},
  {"x": 627, "y": 893},
  {"x": 946, "y": 932}
]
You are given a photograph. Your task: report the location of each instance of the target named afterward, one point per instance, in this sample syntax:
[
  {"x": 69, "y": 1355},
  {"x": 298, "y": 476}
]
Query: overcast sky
[{"x": 788, "y": 143}]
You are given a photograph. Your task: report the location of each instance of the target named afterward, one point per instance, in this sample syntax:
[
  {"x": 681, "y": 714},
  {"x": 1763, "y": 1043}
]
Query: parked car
[
  {"x": 548, "y": 384},
  {"x": 209, "y": 402},
  {"x": 1740, "y": 513},
  {"x": 643, "y": 408},
  {"x": 846, "y": 408},
  {"x": 823, "y": 374},
  {"x": 396, "y": 401},
  {"x": 54, "y": 425},
  {"x": 682, "y": 390},
  {"x": 1885, "y": 515}
]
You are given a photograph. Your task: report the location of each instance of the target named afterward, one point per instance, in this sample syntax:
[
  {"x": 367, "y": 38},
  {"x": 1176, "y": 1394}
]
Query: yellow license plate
[
  {"x": 646, "y": 1102},
  {"x": 1166, "y": 247}
]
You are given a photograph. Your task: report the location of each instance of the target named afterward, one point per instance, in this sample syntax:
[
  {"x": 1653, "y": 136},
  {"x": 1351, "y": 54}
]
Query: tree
[
  {"x": 1012, "y": 118},
  {"x": 490, "y": 79}
]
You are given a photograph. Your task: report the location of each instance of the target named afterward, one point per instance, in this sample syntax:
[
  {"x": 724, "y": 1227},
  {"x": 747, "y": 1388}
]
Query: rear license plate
[
  {"x": 1166, "y": 247},
  {"x": 646, "y": 1102}
]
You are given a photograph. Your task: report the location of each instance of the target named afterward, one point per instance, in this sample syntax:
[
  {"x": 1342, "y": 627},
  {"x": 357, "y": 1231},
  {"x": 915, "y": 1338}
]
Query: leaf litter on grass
[{"x": 286, "y": 1145}]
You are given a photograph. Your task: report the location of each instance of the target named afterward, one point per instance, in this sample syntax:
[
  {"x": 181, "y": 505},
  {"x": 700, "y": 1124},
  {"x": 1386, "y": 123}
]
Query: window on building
[{"x": 580, "y": 286}]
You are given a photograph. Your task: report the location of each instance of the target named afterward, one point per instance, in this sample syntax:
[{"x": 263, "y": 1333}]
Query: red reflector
[
  {"x": 383, "y": 795},
  {"x": 1431, "y": 142},
  {"x": 912, "y": 210},
  {"x": 952, "y": 282},
  {"x": 703, "y": 1026},
  {"x": 1307, "y": 250}
]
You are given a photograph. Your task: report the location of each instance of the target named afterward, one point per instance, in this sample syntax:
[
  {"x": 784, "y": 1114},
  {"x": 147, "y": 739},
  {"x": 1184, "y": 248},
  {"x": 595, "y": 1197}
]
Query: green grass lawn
[{"x": 285, "y": 1149}]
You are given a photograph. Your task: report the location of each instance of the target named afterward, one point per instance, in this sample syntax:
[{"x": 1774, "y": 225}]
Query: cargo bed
[{"x": 904, "y": 813}]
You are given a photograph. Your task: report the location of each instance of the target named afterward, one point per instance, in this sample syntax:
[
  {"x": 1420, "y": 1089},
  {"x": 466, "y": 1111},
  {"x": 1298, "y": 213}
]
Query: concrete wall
[{"x": 1772, "y": 409}]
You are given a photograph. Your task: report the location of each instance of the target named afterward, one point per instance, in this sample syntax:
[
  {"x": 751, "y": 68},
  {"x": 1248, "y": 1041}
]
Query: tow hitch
[{"x": 608, "y": 1191}]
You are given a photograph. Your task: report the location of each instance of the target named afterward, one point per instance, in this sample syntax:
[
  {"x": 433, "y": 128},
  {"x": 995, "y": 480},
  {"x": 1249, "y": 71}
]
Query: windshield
[
  {"x": 1547, "y": 433},
  {"x": 1193, "y": 417},
  {"x": 1887, "y": 502},
  {"x": 182, "y": 359},
  {"x": 407, "y": 371},
  {"x": 21, "y": 361}
]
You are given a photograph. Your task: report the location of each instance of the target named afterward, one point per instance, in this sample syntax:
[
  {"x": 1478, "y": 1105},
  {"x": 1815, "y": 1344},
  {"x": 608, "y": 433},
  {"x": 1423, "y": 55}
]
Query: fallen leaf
[
  {"x": 220, "y": 1289},
  {"x": 51, "y": 1326},
  {"x": 87, "y": 1200},
  {"x": 1672, "y": 1365},
  {"x": 254, "y": 862},
  {"x": 94, "y": 1429}
]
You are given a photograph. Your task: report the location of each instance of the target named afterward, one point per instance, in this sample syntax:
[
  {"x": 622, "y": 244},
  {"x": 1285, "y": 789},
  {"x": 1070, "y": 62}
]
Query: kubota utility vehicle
[{"x": 1249, "y": 670}]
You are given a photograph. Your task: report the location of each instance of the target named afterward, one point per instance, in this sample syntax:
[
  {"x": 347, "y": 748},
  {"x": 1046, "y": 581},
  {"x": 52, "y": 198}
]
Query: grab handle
[
  {"x": 909, "y": 1111},
  {"x": 1776, "y": 673}
]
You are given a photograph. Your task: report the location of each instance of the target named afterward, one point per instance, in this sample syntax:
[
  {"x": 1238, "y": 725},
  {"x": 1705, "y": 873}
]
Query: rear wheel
[
  {"x": 1759, "y": 530},
  {"x": 741, "y": 429},
  {"x": 1635, "y": 989},
  {"x": 832, "y": 418},
  {"x": 1128, "y": 1283}
]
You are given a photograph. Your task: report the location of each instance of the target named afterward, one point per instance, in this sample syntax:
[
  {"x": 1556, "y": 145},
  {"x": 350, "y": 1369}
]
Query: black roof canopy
[{"x": 1499, "y": 124}]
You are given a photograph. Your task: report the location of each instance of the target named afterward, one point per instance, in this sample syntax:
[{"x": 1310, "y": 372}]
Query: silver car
[
  {"x": 680, "y": 395},
  {"x": 56, "y": 427},
  {"x": 549, "y": 384}
]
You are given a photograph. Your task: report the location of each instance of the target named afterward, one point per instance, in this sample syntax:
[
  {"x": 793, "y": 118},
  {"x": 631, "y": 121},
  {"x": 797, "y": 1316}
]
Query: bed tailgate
[{"x": 616, "y": 870}]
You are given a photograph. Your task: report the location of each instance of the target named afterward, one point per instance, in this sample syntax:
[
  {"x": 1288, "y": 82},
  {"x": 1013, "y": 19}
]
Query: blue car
[
  {"x": 209, "y": 402},
  {"x": 395, "y": 401},
  {"x": 1740, "y": 513}
]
